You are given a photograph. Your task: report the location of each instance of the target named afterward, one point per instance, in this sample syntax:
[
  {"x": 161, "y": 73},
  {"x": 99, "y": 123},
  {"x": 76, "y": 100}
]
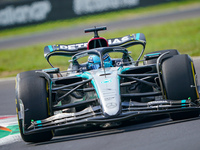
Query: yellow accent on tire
[{"x": 194, "y": 79}]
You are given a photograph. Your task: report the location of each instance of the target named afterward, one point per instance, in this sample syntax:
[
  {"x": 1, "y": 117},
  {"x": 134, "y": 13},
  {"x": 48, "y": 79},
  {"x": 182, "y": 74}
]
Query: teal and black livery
[
  {"x": 105, "y": 96},
  {"x": 88, "y": 75},
  {"x": 183, "y": 103},
  {"x": 39, "y": 123},
  {"x": 61, "y": 50}
]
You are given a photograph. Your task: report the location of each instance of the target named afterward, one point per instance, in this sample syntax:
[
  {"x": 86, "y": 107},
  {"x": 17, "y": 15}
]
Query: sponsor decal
[
  {"x": 115, "y": 41},
  {"x": 73, "y": 46},
  {"x": 119, "y": 40},
  {"x": 157, "y": 102},
  {"x": 107, "y": 81},
  {"x": 111, "y": 105},
  {"x": 81, "y": 7},
  {"x": 109, "y": 98},
  {"x": 34, "y": 12}
]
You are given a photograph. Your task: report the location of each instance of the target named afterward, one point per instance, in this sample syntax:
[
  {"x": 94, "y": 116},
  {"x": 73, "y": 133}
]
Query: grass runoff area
[{"x": 183, "y": 35}]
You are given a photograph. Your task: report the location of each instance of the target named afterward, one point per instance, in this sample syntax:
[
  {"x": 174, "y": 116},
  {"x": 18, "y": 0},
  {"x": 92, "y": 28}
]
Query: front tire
[
  {"x": 179, "y": 82},
  {"x": 31, "y": 92}
]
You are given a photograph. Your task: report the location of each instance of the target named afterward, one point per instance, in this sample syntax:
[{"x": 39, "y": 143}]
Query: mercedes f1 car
[{"x": 104, "y": 90}]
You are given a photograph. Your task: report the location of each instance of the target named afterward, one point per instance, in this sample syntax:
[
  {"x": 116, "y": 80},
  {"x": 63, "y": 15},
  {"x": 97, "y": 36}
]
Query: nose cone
[{"x": 108, "y": 91}]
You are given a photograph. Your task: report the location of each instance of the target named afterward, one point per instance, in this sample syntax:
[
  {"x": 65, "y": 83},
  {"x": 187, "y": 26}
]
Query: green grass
[
  {"x": 182, "y": 35},
  {"x": 104, "y": 17}
]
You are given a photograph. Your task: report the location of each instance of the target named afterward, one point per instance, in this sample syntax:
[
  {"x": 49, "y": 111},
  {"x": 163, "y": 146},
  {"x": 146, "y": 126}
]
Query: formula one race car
[{"x": 104, "y": 91}]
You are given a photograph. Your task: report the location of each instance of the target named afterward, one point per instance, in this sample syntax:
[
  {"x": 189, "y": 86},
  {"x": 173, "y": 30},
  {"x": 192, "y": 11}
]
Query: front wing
[{"x": 94, "y": 115}]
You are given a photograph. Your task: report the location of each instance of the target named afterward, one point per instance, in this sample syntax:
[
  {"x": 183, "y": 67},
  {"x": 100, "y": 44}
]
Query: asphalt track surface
[
  {"x": 65, "y": 33},
  {"x": 162, "y": 134}
]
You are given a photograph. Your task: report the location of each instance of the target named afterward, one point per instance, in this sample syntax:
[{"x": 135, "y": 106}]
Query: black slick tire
[
  {"x": 31, "y": 92},
  {"x": 178, "y": 75}
]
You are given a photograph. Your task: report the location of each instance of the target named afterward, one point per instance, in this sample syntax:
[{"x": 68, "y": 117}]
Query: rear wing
[{"x": 70, "y": 50}]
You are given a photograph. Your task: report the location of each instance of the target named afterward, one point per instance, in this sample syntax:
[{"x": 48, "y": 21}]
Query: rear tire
[
  {"x": 179, "y": 82},
  {"x": 31, "y": 91},
  {"x": 153, "y": 60}
]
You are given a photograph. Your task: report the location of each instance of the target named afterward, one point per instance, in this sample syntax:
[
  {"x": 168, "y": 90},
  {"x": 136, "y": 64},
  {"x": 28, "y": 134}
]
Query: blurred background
[{"x": 27, "y": 26}]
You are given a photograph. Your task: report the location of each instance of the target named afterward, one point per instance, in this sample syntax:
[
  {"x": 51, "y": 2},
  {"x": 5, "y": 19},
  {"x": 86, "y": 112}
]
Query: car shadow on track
[{"x": 126, "y": 127}]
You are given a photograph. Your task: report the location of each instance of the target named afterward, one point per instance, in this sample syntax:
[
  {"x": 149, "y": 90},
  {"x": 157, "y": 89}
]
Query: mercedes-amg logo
[{"x": 111, "y": 105}]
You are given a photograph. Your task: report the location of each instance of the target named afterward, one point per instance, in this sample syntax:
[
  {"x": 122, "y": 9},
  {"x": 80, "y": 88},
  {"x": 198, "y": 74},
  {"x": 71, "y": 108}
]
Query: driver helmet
[{"x": 94, "y": 62}]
